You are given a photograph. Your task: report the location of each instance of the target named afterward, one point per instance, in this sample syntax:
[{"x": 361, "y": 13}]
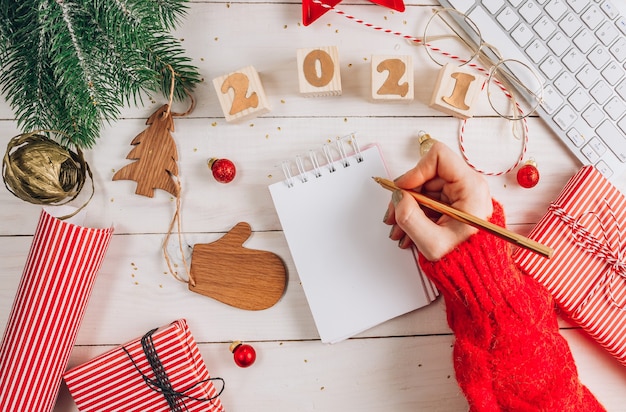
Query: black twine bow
[{"x": 161, "y": 383}]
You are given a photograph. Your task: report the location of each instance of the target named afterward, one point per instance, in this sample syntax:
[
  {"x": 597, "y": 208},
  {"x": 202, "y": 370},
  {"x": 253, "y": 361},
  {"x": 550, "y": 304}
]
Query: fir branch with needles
[{"x": 71, "y": 65}]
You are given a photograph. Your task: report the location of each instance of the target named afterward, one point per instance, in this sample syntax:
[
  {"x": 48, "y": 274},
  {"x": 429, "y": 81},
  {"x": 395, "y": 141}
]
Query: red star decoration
[{"x": 311, "y": 11}]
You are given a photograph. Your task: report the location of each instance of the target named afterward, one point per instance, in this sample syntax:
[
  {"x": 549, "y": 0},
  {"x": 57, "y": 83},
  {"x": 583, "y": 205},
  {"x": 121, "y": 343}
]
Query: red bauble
[
  {"x": 223, "y": 170},
  {"x": 244, "y": 354},
  {"x": 528, "y": 175}
]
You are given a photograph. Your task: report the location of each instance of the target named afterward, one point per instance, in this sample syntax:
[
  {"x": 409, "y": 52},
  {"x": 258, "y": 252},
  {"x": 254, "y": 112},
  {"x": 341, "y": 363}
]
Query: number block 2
[
  {"x": 456, "y": 91},
  {"x": 318, "y": 71},
  {"x": 392, "y": 78},
  {"x": 241, "y": 94}
]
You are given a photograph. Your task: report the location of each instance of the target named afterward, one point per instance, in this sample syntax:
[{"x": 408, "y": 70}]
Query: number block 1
[
  {"x": 318, "y": 71},
  {"x": 392, "y": 78},
  {"x": 241, "y": 94},
  {"x": 456, "y": 90}
]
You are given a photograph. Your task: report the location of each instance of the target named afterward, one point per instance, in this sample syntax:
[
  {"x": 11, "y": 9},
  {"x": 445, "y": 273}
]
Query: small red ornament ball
[
  {"x": 244, "y": 354},
  {"x": 223, "y": 170},
  {"x": 528, "y": 175}
]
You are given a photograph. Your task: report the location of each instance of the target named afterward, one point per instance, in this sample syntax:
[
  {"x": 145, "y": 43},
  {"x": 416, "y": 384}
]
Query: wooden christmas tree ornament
[
  {"x": 155, "y": 156},
  {"x": 230, "y": 273}
]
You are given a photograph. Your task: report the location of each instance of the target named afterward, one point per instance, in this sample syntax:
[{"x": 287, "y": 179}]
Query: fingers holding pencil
[{"x": 466, "y": 206}]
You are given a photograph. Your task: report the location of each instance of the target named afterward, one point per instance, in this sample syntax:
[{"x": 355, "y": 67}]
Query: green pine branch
[{"x": 70, "y": 65}]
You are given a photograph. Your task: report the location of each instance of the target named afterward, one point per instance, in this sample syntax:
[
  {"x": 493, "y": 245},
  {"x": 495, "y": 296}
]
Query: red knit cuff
[{"x": 476, "y": 272}]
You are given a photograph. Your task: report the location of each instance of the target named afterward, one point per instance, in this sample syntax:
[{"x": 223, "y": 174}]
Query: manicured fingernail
[
  {"x": 404, "y": 242},
  {"x": 386, "y": 215},
  {"x": 396, "y": 197},
  {"x": 396, "y": 179}
]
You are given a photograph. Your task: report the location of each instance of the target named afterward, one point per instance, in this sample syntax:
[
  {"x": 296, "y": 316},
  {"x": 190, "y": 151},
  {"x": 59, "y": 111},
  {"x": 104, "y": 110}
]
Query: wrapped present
[
  {"x": 586, "y": 227},
  {"x": 49, "y": 305},
  {"x": 161, "y": 371}
]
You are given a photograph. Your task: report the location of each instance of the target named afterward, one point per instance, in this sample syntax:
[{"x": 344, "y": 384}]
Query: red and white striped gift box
[
  {"x": 586, "y": 227},
  {"x": 51, "y": 298},
  {"x": 123, "y": 379}
]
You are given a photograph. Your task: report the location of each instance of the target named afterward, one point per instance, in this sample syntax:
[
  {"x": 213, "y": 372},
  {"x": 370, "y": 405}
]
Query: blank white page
[{"x": 353, "y": 275}]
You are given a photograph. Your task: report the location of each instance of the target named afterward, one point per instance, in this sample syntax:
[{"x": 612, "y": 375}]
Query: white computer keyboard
[{"x": 578, "y": 47}]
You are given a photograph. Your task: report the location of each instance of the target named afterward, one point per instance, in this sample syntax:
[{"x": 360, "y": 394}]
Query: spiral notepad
[{"x": 331, "y": 212}]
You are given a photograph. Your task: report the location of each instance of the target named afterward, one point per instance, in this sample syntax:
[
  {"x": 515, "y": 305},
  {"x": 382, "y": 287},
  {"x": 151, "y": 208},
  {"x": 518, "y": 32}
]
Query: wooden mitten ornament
[
  {"x": 230, "y": 273},
  {"x": 155, "y": 154}
]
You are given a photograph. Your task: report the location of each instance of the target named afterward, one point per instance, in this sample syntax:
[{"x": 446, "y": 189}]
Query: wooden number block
[
  {"x": 456, "y": 90},
  {"x": 318, "y": 71},
  {"x": 241, "y": 95},
  {"x": 392, "y": 78}
]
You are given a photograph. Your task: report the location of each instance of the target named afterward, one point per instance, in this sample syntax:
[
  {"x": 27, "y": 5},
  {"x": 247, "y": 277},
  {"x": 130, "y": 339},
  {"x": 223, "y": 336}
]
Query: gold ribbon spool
[{"x": 39, "y": 170}]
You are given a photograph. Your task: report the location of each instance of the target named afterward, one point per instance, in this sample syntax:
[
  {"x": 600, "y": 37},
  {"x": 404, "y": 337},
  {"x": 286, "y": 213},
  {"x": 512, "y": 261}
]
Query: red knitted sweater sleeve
[{"x": 508, "y": 353}]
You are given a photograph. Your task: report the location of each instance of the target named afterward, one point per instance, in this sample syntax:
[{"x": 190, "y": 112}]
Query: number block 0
[
  {"x": 456, "y": 91},
  {"x": 241, "y": 94},
  {"x": 318, "y": 71},
  {"x": 392, "y": 78}
]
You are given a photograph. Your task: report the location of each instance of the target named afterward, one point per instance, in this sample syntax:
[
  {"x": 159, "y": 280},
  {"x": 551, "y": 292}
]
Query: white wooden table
[{"x": 402, "y": 365}]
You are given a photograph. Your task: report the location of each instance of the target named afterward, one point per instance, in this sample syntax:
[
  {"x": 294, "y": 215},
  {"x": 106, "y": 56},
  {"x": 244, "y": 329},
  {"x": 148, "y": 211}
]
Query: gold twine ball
[{"x": 41, "y": 171}]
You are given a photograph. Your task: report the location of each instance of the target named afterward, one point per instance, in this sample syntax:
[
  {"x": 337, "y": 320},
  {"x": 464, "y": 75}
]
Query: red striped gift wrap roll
[{"x": 51, "y": 298}]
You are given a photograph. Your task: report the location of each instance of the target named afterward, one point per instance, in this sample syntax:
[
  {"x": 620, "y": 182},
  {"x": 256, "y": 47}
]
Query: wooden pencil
[{"x": 472, "y": 220}]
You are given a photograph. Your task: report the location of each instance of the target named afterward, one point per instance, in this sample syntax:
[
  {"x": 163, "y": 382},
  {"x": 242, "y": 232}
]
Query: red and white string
[{"x": 463, "y": 61}]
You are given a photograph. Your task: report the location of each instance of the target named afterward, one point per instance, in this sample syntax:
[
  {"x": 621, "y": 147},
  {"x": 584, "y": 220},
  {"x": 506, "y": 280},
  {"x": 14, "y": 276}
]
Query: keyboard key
[
  {"x": 615, "y": 108},
  {"x": 515, "y": 3},
  {"x": 598, "y": 146},
  {"x": 604, "y": 169},
  {"x": 607, "y": 33},
  {"x": 462, "y": 5},
  {"x": 618, "y": 49},
  {"x": 613, "y": 139},
  {"x": 536, "y": 51},
  {"x": 609, "y": 9},
  {"x": 601, "y": 92},
  {"x": 592, "y": 17},
  {"x": 621, "y": 24},
  {"x": 587, "y": 76},
  {"x": 579, "y": 99},
  {"x": 559, "y": 43},
  {"x": 530, "y": 11},
  {"x": 599, "y": 56},
  {"x": 552, "y": 100},
  {"x": 565, "y": 83},
  {"x": 551, "y": 67},
  {"x": 578, "y": 5},
  {"x": 570, "y": 24},
  {"x": 573, "y": 60},
  {"x": 493, "y": 5},
  {"x": 621, "y": 89},
  {"x": 544, "y": 27},
  {"x": 565, "y": 117},
  {"x": 590, "y": 153},
  {"x": 613, "y": 72},
  {"x": 593, "y": 115},
  {"x": 575, "y": 137},
  {"x": 507, "y": 18},
  {"x": 556, "y": 8},
  {"x": 585, "y": 40},
  {"x": 522, "y": 35}
]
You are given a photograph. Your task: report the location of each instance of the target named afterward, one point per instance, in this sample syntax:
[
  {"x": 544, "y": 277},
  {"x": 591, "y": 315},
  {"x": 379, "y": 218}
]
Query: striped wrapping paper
[
  {"x": 114, "y": 381},
  {"x": 586, "y": 226},
  {"x": 51, "y": 298}
]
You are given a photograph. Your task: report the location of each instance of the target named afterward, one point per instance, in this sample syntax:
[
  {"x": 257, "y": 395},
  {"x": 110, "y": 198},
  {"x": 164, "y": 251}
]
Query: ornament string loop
[
  {"x": 176, "y": 219},
  {"x": 611, "y": 254},
  {"x": 161, "y": 383},
  {"x": 41, "y": 171}
]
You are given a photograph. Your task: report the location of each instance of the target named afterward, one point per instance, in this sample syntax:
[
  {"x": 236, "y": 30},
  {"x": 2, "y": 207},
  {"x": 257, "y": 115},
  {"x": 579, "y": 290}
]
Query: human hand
[{"x": 443, "y": 175}]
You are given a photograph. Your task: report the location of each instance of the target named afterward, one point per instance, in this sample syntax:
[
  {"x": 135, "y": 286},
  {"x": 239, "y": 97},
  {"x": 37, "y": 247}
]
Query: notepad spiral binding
[{"x": 315, "y": 168}]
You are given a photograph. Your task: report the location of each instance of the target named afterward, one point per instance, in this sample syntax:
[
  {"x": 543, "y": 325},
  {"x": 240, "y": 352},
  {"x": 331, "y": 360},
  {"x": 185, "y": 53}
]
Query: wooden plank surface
[{"x": 402, "y": 365}]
